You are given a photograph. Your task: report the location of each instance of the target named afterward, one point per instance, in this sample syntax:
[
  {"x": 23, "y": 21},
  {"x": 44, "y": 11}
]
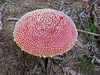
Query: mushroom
[{"x": 45, "y": 33}]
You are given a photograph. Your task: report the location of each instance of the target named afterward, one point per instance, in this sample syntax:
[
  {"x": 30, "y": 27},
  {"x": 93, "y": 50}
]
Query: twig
[
  {"x": 82, "y": 13},
  {"x": 0, "y": 21},
  {"x": 58, "y": 58},
  {"x": 95, "y": 59},
  {"x": 80, "y": 18},
  {"x": 12, "y": 19},
  {"x": 35, "y": 68},
  {"x": 74, "y": 55},
  {"x": 69, "y": 13},
  {"x": 58, "y": 72},
  {"x": 97, "y": 12},
  {"x": 94, "y": 2},
  {"x": 2, "y": 43},
  {"x": 51, "y": 71},
  {"x": 95, "y": 34},
  {"x": 61, "y": 6},
  {"x": 1, "y": 9}
]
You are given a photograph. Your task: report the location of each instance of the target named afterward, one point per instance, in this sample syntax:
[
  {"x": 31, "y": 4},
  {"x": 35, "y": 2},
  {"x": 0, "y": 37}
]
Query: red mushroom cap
[{"x": 45, "y": 33}]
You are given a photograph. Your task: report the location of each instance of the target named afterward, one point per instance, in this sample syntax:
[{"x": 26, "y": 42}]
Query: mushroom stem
[
  {"x": 42, "y": 63},
  {"x": 49, "y": 65},
  {"x": 45, "y": 64}
]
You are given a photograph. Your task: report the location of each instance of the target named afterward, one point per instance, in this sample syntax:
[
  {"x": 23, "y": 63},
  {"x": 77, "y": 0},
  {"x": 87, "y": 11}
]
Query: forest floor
[{"x": 82, "y": 59}]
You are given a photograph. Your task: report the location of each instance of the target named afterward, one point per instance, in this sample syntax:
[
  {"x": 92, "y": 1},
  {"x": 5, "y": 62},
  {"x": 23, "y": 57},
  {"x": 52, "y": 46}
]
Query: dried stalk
[{"x": 88, "y": 32}]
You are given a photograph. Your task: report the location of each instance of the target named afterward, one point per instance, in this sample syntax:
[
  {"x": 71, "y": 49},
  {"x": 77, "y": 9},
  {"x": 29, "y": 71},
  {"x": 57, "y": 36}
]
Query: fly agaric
[{"x": 45, "y": 33}]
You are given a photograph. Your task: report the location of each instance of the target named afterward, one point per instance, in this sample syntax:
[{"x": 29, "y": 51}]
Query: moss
[
  {"x": 53, "y": 1},
  {"x": 39, "y": 8},
  {"x": 85, "y": 67}
]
